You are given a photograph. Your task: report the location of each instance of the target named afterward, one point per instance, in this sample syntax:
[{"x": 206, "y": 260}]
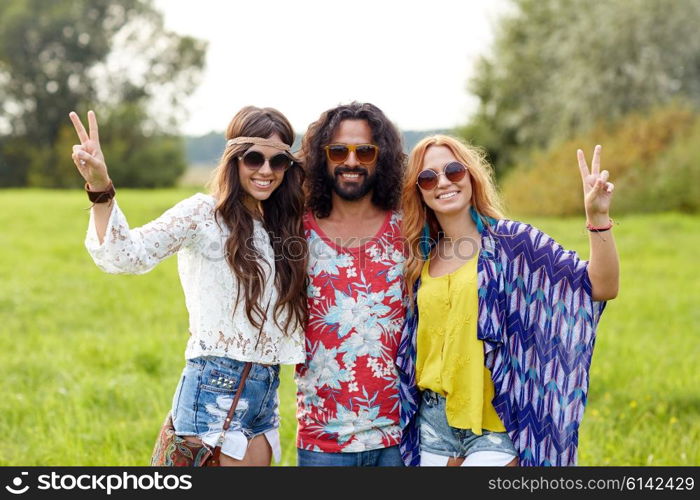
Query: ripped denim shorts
[
  {"x": 204, "y": 396},
  {"x": 438, "y": 438}
]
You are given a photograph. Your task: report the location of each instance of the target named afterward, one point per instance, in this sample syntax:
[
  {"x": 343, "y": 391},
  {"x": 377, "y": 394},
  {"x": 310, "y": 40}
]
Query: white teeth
[
  {"x": 351, "y": 176},
  {"x": 261, "y": 183},
  {"x": 447, "y": 195}
]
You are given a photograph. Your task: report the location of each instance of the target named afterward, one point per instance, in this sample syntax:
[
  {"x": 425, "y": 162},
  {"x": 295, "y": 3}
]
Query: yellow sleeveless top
[{"x": 450, "y": 359}]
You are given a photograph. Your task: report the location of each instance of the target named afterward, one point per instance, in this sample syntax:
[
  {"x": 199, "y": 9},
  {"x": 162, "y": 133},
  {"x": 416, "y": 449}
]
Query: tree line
[
  {"x": 564, "y": 74},
  {"x": 56, "y": 57},
  {"x": 560, "y": 73}
]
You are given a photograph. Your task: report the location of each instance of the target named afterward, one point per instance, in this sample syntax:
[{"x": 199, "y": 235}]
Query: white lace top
[{"x": 190, "y": 230}]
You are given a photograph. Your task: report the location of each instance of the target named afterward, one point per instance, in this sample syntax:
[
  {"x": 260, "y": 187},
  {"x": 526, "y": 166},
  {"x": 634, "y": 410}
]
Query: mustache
[{"x": 347, "y": 170}]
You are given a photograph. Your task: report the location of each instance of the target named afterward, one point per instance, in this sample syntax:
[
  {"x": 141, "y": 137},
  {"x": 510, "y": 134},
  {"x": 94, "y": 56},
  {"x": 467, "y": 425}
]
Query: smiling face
[
  {"x": 351, "y": 179},
  {"x": 448, "y": 197},
  {"x": 260, "y": 183}
]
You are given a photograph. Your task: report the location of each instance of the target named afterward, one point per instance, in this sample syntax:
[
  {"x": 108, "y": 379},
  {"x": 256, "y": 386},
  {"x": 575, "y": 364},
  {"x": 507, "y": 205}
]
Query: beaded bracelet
[{"x": 595, "y": 229}]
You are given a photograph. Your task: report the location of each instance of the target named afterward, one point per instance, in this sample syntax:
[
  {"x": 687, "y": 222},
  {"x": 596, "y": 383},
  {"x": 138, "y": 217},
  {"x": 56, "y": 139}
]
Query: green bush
[
  {"x": 636, "y": 150},
  {"x": 13, "y": 162},
  {"x": 672, "y": 182}
]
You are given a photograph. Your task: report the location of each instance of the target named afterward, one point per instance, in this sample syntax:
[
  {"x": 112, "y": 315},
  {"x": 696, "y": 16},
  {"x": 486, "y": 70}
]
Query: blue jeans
[{"x": 383, "y": 457}]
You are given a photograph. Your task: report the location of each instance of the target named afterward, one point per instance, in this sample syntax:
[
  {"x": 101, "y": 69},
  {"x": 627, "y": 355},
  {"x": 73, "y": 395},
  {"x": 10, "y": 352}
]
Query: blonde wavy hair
[{"x": 416, "y": 213}]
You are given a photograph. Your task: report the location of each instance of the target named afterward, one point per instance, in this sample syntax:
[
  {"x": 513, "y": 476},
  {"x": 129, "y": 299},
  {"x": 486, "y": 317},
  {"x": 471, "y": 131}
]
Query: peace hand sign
[
  {"x": 87, "y": 156},
  {"x": 597, "y": 191}
]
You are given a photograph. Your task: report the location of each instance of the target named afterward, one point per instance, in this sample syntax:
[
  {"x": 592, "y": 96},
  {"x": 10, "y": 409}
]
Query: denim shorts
[
  {"x": 204, "y": 396},
  {"x": 437, "y": 437}
]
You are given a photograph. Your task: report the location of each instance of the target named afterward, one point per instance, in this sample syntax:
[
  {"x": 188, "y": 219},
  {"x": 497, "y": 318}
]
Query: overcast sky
[{"x": 412, "y": 58}]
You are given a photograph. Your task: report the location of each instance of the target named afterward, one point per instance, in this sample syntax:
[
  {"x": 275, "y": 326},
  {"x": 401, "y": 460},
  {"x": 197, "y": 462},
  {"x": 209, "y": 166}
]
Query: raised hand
[
  {"x": 597, "y": 191},
  {"x": 87, "y": 155}
]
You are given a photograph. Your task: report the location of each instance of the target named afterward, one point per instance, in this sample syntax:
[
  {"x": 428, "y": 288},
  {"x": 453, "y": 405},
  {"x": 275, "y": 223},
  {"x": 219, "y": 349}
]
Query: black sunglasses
[
  {"x": 454, "y": 171},
  {"x": 255, "y": 160}
]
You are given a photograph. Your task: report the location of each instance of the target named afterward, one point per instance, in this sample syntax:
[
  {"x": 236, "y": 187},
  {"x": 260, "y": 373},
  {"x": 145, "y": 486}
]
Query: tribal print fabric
[{"x": 537, "y": 320}]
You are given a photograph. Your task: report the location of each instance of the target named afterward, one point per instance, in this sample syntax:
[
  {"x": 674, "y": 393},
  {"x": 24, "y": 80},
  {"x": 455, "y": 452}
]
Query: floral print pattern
[{"x": 347, "y": 395}]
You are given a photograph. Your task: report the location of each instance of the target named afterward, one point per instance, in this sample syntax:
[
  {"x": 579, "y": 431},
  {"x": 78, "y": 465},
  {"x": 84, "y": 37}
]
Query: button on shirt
[{"x": 450, "y": 359}]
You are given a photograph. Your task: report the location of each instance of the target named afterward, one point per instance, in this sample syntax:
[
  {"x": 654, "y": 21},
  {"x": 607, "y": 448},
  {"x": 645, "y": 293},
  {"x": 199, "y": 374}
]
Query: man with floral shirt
[{"x": 348, "y": 400}]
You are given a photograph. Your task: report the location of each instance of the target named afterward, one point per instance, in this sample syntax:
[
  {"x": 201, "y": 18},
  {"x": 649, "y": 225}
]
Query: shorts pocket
[
  {"x": 213, "y": 405},
  {"x": 221, "y": 382}
]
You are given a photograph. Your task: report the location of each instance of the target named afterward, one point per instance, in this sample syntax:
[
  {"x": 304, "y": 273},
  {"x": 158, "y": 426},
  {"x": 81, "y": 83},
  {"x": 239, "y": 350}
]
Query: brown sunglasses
[
  {"x": 365, "y": 153},
  {"x": 428, "y": 179}
]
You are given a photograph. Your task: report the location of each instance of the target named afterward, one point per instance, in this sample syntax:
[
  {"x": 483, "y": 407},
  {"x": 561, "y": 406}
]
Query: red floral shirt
[{"x": 348, "y": 399}]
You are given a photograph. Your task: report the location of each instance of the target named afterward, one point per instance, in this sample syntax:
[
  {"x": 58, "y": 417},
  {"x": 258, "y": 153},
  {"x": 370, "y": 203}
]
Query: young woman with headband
[
  {"x": 246, "y": 299},
  {"x": 499, "y": 335}
]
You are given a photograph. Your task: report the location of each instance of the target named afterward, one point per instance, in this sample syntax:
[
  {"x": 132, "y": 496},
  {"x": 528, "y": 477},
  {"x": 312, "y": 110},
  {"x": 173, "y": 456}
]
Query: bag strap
[
  {"x": 239, "y": 391},
  {"x": 216, "y": 454},
  {"x": 229, "y": 416}
]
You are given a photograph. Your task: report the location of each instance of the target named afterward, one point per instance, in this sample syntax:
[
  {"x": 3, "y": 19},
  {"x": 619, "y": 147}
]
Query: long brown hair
[
  {"x": 282, "y": 219},
  {"x": 416, "y": 213}
]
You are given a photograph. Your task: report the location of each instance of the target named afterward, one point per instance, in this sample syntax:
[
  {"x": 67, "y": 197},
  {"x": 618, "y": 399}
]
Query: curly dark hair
[{"x": 390, "y": 163}]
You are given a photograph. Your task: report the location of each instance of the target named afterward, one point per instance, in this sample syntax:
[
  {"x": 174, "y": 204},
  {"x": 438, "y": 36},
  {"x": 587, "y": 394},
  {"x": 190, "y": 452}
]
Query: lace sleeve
[{"x": 137, "y": 251}]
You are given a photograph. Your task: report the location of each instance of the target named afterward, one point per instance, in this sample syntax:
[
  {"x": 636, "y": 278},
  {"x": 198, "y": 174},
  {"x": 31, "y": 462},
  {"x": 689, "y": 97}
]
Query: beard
[{"x": 351, "y": 191}]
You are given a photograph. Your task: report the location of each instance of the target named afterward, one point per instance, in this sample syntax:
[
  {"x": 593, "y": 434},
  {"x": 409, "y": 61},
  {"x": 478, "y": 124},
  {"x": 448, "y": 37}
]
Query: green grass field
[{"x": 89, "y": 361}]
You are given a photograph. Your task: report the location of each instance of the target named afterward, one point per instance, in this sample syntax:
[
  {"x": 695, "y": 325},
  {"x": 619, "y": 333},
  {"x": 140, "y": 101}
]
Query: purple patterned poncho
[{"x": 537, "y": 320}]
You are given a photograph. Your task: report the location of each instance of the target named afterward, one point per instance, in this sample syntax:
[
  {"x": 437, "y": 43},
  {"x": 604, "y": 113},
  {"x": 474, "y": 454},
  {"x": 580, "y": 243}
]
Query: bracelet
[
  {"x": 600, "y": 229},
  {"x": 101, "y": 196}
]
